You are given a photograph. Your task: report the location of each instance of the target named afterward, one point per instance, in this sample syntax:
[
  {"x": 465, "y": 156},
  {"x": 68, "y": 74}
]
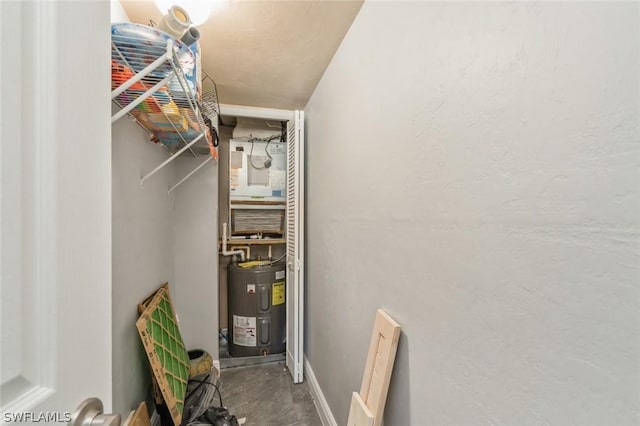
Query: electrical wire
[
  {"x": 198, "y": 400},
  {"x": 267, "y": 163},
  {"x": 278, "y": 259},
  {"x": 251, "y": 156},
  {"x": 205, "y": 382},
  {"x": 216, "y": 137}
]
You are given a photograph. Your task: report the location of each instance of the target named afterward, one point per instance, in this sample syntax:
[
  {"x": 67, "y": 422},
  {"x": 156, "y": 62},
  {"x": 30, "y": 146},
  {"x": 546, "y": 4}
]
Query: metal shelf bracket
[
  {"x": 169, "y": 160},
  {"x": 191, "y": 173}
]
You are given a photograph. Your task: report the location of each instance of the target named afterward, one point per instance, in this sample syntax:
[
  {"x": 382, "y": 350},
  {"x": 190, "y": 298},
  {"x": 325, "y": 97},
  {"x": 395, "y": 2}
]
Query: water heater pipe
[
  {"x": 247, "y": 248},
  {"x": 226, "y": 252}
]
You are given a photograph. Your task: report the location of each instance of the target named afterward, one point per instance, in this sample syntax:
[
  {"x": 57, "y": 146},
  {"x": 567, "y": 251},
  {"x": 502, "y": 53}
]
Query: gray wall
[
  {"x": 142, "y": 252},
  {"x": 473, "y": 170},
  {"x": 196, "y": 253},
  {"x": 142, "y": 233},
  {"x": 160, "y": 238}
]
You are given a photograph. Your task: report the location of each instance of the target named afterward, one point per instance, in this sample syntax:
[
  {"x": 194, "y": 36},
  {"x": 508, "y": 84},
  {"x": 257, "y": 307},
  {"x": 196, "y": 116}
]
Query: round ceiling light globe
[{"x": 198, "y": 10}]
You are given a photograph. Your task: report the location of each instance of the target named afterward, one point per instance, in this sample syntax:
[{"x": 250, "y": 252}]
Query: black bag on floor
[
  {"x": 199, "y": 409},
  {"x": 219, "y": 416}
]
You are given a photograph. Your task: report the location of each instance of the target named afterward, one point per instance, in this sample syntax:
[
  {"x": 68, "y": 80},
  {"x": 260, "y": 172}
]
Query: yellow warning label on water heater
[{"x": 277, "y": 298}]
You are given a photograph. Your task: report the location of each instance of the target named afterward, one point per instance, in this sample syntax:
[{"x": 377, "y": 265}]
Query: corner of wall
[
  {"x": 142, "y": 252},
  {"x": 196, "y": 253},
  {"x": 324, "y": 411}
]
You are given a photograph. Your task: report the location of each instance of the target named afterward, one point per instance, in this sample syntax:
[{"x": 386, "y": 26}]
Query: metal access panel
[{"x": 254, "y": 175}]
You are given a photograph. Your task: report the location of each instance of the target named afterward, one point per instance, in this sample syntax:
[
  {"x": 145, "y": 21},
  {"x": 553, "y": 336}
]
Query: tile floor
[{"x": 266, "y": 396}]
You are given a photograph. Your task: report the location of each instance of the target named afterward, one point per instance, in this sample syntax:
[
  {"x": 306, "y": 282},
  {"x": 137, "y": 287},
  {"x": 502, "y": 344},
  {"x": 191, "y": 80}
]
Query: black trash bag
[
  {"x": 199, "y": 406},
  {"x": 219, "y": 416}
]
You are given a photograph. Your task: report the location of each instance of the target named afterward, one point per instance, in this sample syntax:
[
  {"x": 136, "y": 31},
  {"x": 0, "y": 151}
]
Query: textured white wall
[
  {"x": 142, "y": 252},
  {"x": 196, "y": 253},
  {"x": 118, "y": 14},
  {"x": 473, "y": 168}
]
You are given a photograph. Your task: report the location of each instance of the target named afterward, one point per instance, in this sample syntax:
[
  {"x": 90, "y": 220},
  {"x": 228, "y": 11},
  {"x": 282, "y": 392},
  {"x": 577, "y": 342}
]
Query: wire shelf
[
  {"x": 210, "y": 104},
  {"x": 153, "y": 80}
]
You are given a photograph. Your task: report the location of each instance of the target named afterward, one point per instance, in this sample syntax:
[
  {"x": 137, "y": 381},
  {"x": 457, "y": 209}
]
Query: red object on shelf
[{"x": 120, "y": 74}]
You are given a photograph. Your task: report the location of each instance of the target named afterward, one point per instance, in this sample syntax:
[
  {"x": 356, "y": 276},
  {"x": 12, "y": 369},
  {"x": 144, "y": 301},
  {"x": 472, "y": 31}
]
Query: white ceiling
[{"x": 266, "y": 53}]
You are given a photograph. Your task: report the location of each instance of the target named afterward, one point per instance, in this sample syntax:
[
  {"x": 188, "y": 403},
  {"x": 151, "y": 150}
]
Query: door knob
[{"x": 89, "y": 413}]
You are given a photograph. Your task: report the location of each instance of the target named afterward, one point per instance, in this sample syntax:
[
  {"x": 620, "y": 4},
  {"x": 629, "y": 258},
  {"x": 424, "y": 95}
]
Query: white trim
[
  {"x": 46, "y": 176},
  {"x": 295, "y": 284},
  {"x": 256, "y": 112},
  {"x": 28, "y": 400},
  {"x": 300, "y": 165},
  {"x": 34, "y": 87},
  {"x": 35, "y": 242},
  {"x": 290, "y": 360},
  {"x": 324, "y": 411}
]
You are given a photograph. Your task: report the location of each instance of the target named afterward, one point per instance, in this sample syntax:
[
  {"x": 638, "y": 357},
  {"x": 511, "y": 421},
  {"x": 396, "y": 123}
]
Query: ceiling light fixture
[{"x": 198, "y": 10}]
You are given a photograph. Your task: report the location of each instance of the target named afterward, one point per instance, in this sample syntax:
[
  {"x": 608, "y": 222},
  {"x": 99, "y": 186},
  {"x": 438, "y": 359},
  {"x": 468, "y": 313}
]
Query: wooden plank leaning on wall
[{"x": 367, "y": 407}]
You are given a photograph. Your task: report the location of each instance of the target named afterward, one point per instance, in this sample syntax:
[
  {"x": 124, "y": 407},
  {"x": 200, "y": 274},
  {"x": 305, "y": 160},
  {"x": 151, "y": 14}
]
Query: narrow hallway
[{"x": 266, "y": 396}]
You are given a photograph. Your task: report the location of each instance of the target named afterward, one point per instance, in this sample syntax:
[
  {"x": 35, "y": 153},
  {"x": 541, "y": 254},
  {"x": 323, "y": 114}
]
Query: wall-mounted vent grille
[{"x": 254, "y": 221}]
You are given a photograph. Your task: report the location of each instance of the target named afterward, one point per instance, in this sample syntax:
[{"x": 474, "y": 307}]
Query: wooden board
[
  {"x": 139, "y": 417},
  {"x": 380, "y": 359},
  {"x": 359, "y": 413},
  {"x": 254, "y": 242},
  {"x": 145, "y": 303},
  {"x": 257, "y": 202}
]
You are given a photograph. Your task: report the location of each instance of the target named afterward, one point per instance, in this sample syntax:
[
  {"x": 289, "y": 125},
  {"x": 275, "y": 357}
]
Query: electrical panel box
[{"x": 257, "y": 171}]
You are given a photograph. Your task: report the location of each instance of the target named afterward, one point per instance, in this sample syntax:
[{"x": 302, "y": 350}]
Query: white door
[
  {"x": 55, "y": 208},
  {"x": 295, "y": 247}
]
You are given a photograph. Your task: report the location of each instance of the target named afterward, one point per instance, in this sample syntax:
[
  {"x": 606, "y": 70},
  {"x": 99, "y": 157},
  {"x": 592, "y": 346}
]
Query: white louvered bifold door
[{"x": 295, "y": 246}]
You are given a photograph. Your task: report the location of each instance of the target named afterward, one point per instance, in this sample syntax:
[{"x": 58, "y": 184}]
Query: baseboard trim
[{"x": 326, "y": 416}]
